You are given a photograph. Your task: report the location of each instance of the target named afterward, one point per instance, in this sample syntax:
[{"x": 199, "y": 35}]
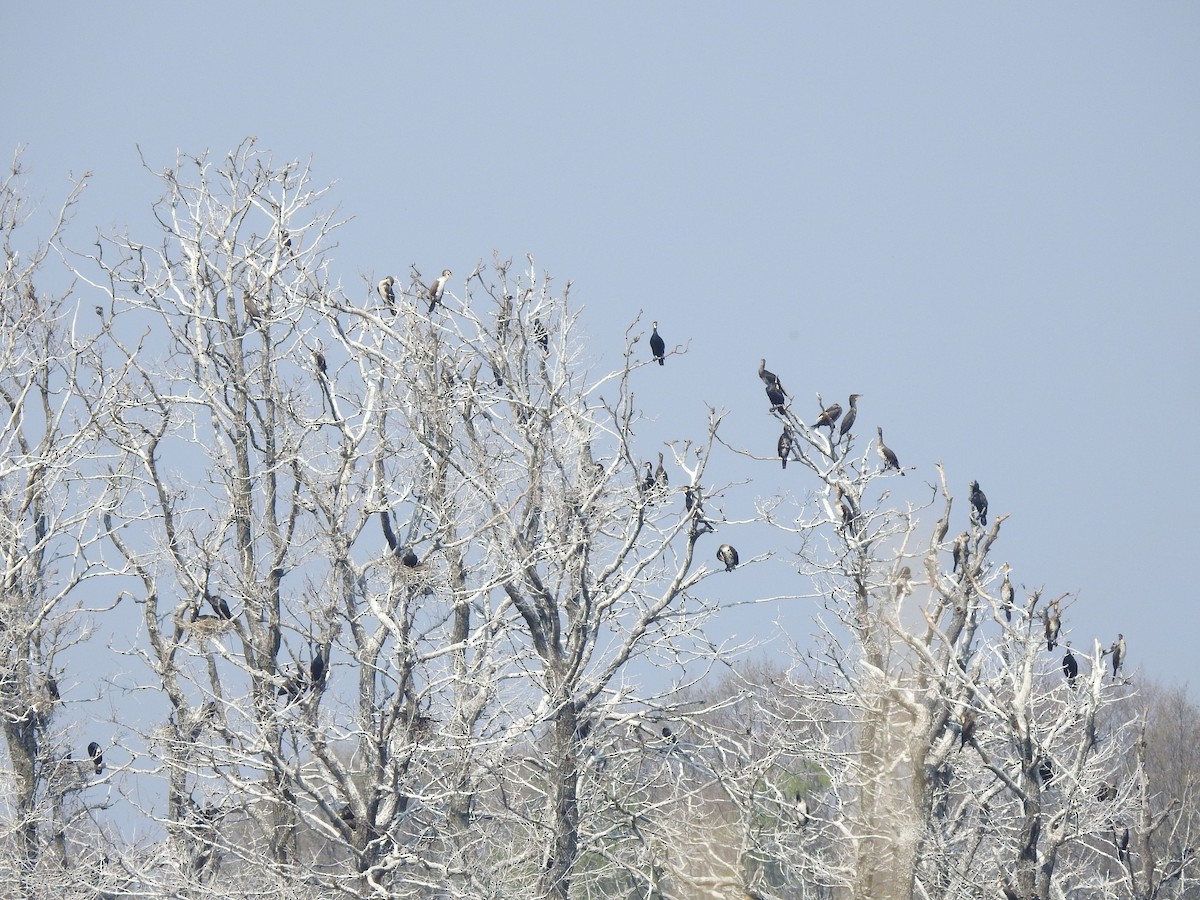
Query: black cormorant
[
  {"x": 220, "y": 607},
  {"x": 829, "y": 415},
  {"x": 541, "y": 335},
  {"x": 729, "y": 556},
  {"x": 253, "y": 310},
  {"x": 979, "y": 503},
  {"x": 886, "y": 454},
  {"x": 648, "y": 478},
  {"x": 387, "y": 294},
  {"x": 1118, "y": 653},
  {"x": 438, "y": 288},
  {"x": 1107, "y": 791},
  {"x": 1121, "y": 840},
  {"x": 409, "y": 558},
  {"x": 660, "y": 474},
  {"x": 851, "y": 415},
  {"x": 776, "y": 396},
  {"x": 657, "y": 345},
  {"x": 689, "y": 498},
  {"x": 316, "y": 670},
  {"x": 1045, "y": 771},
  {"x": 319, "y": 360},
  {"x": 97, "y": 756},
  {"x": 769, "y": 379},
  {"x": 1070, "y": 667},
  {"x": 784, "y": 446}
]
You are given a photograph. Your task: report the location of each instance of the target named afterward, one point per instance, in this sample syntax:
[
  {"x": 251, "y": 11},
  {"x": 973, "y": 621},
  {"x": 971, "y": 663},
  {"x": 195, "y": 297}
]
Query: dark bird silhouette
[
  {"x": 769, "y": 379},
  {"x": 828, "y": 416},
  {"x": 387, "y": 294},
  {"x": 648, "y": 478},
  {"x": 784, "y": 446},
  {"x": 1118, "y": 654},
  {"x": 1106, "y": 792},
  {"x": 409, "y": 558},
  {"x": 689, "y": 498},
  {"x": 438, "y": 288},
  {"x": 660, "y": 474},
  {"x": 52, "y": 689},
  {"x": 729, "y": 556},
  {"x": 1053, "y": 625},
  {"x": 540, "y": 335},
  {"x": 1045, "y": 771},
  {"x": 902, "y": 586},
  {"x": 851, "y": 415},
  {"x": 849, "y": 515},
  {"x": 967, "y": 732},
  {"x": 1121, "y": 842},
  {"x": 316, "y": 670},
  {"x": 321, "y": 364},
  {"x": 979, "y": 503},
  {"x": 657, "y": 345},
  {"x": 886, "y": 454},
  {"x": 1007, "y": 595},
  {"x": 220, "y": 607},
  {"x": 1070, "y": 667},
  {"x": 97, "y": 757},
  {"x": 776, "y": 396}
]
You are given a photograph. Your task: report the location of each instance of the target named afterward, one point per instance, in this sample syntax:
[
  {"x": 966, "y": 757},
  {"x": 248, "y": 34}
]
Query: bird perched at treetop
[
  {"x": 97, "y": 757},
  {"x": 851, "y": 415},
  {"x": 889, "y": 458},
  {"x": 729, "y": 556},
  {"x": 387, "y": 294},
  {"x": 438, "y": 288},
  {"x": 657, "y": 345},
  {"x": 979, "y": 503}
]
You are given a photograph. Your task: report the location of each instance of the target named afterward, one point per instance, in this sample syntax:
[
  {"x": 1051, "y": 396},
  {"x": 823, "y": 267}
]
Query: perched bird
[
  {"x": 1007, "y": 594},
  {"x": 784, "y": 446},
  {"x": 438, "y": 288},
  {"x": 660, "y": 474},
  {"x": 902, "y": 586},
  {"x": 851, "y": 415},
  {"x": 1118, "y": 653},
  {"x": 729, "y": 556},
  {"x": 689, "y": 498},
  {"x": 648, "y": 478},
  {"x": 769, "y": 379},
  {"x": 387, "y": 294},
  {"x": 1121, "y": 841},
  {"x": 967, "y": 732},
  {"x": 886, "y": 454},
  {"x": 253, "y": 310},
  {"x": 321, "y": 364},
  {"x": 802, "y": 813},
  {"x": 220, "y": 607},
  {"x": 979, "y": 503},
  {"x": 1070, "y": 667},
  {"x": 961, "y": 551},
  {"x": 849, "y": 515},
  {"x": 1045, "y": 771},
  {"x": 1107, "y": 791},
  {"x": 409, "y": 558},
  {"x": 777, "y": 397},
  {"x": 657, "y": 345},
  {"x": 541, "y": 335},
  {"x": 1053, "y": 624},
  {"x": 97, "y": 756},
  {"x": 316, "y": 670},
  {"x": 828, "y": 416}
]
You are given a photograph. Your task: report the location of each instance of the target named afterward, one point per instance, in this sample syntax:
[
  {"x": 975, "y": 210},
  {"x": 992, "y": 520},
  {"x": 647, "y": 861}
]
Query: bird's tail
[{"x": 661, "y": 361}]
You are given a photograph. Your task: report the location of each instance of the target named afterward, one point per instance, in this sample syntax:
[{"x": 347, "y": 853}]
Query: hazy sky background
[{"x": 985, "y": 219}]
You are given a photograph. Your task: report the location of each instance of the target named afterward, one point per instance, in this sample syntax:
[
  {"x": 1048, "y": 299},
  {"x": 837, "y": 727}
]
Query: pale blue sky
[{"x": 985, "y": 219}]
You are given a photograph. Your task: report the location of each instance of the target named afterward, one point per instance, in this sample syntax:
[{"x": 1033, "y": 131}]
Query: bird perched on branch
[
  {"x": 387, "y": 294},
  {"x": 1007, "y": 595},
  {"x": 1053, "y": 624},
  {"x": 1118, "y": 654},
  {"x": 886, "y": 454},
  {"x": 540, "y": 335},
  {"x": 851, "y": 415},
  {"x": 776, "y": 396},
  {"x": 784, "y": 446},
  {"x": 727, "y": 555},
  {"x": 829, "y": 415},
  {"x": 97, "y": 757},
  {"x": 316, "y": 670},
  {"x": 1070, "y": 667},
  {"x": 902, "y": 586},
  {"x": 438, "y": 288},
  {"x": 960, "y": 552},
  {"x": 979, "y": 503},
  {"x": 769, "y": 379},
  {"x": 967, "y": 732},
  {"x": 657, "y": 345},
  {"x": 660, "y": 474}
]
